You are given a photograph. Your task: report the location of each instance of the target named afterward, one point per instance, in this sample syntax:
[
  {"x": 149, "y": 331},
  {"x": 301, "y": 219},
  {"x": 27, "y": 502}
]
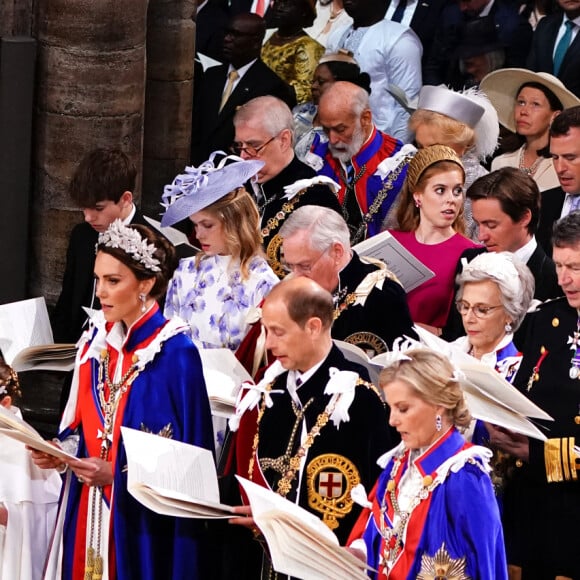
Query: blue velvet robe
[
  {"x": 170, "y": 390},
  {"x": 460, "y": 515}
]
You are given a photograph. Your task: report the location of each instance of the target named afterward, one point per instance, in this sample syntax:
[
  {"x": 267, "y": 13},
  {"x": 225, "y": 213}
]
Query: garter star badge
[
  {"x": 442, "y": 566},
  {"x": 329, "y": 481}
]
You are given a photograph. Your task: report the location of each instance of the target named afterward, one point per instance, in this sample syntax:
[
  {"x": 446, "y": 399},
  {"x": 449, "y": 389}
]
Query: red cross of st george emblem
[{"x": 330, "y": 484}]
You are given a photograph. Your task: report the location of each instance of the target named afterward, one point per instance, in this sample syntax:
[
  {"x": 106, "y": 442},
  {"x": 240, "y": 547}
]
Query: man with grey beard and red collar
[{"x": 370, "y": 166}]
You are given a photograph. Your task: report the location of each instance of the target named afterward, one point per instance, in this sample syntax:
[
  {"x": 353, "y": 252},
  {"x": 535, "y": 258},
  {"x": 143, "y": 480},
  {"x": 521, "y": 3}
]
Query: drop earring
[
  {"x": 438, "y": 423},
  {"x": 143, "y": 299},
  {"x": 508, "y": 327}
]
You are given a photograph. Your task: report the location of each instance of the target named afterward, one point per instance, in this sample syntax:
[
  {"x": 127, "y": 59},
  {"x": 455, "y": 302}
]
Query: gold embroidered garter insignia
[
  {"x": 330, "y": 479},
  {"x": 369, "y": 342}
]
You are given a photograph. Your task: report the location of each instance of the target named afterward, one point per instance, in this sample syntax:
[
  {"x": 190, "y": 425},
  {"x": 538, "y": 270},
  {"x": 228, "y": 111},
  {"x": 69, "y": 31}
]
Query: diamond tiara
[{"x": 130, "y": 241}]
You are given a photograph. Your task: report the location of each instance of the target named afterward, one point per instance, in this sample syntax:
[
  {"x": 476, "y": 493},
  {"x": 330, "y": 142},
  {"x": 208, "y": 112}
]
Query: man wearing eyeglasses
[
  {"x": 544, "y": 490},
  {"x": 264, "y": 130},
  {"x": 370, "y": 305},
  {"x": 222, "y": 89}
]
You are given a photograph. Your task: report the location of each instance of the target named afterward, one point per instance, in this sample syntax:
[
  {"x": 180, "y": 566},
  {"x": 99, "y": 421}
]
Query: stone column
[
  {"x": 91, "y": 87},
  {"x": 169, "y": 96}
]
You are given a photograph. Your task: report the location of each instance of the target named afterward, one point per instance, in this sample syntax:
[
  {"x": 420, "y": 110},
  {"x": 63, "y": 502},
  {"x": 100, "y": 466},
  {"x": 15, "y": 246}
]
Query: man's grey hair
[
  {"x": 516, "y": 292},
  {"x": 271, "y": 113},
  {"x": 353, "y": 97},
  {"x": 324, "y": 226},
  {"x": 566, "y": 231},
  {"x": 360, "y": 101}
]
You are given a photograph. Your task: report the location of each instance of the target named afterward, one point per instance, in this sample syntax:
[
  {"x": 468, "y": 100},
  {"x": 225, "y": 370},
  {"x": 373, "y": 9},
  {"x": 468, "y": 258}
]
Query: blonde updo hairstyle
[
  {"x": 240, "y": 219},
  {"x": 430, "y": 375},
  {"x": 451, "y": 132},
  {"x": 425, "y": 164}
]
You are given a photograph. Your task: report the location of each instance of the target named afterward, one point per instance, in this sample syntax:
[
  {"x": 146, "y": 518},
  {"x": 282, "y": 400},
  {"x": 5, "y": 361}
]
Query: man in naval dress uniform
[{"x": 542, "y": 501}]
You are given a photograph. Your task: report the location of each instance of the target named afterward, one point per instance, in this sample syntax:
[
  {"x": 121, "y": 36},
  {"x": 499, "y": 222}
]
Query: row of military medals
[
  {"x": 574, "y": 342},
  {"x": 574, "y": 372}
]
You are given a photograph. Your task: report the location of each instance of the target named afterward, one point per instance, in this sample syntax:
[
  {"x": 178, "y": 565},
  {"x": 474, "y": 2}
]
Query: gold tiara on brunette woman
[{"x": 425, "y": 158}]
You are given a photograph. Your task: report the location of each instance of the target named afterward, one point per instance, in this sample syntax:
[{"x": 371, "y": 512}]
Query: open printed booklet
[
  {"x": 224, "y": 375},
  {"x": 26, "y": 338},
  {"x": 172, "y": 478},
  {"x": 16, "y": 428},
  {"x": 384, "y": 247},
  {"x": 355, "y": 354},
  {"x": 489, "y": 396},
  {"x": 299, "y": 543}
]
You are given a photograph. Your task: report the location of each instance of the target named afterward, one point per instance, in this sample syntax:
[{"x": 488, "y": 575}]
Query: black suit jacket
[
  {"x": 550, "y": 210},
  {"x": 68, "y": 317},
  {"x": 214, "y": 129},
  {"x": 442, "y": 65},
  {"x": 541, "y": 53}
]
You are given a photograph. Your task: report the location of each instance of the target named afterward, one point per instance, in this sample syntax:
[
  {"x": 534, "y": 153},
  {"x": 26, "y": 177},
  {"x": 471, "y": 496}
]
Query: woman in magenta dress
[{"x": 431, "y": 224}]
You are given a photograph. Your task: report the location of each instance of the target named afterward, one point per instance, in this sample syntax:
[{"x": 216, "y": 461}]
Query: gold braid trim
[
  {"x": 381, "y": 196},
  {"x": 560, "y": 460},
  {"x": 273, "y": 249},
  {"x": 281, "y": 215},
  {"x": 285, "y": 482}
]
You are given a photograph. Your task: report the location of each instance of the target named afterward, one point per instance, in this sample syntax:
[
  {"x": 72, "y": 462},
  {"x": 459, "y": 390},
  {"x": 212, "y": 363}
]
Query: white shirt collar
[
  {"x": 525, "y": 252},
  {"x": 131, "y": 215},
  {"x": 242, "y": 70},
  {"x": 293, "y": 376}
]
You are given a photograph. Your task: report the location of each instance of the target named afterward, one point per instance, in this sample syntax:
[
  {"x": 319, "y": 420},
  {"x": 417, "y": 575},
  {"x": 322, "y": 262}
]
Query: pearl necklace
[{"x": 532, "y": 168}]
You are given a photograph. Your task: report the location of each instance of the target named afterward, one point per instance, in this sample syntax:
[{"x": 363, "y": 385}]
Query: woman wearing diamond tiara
[
  {"x": 136, "y": 369},
  {"x": 432, "y": 512},
  {"x": 217, "y": 289}
]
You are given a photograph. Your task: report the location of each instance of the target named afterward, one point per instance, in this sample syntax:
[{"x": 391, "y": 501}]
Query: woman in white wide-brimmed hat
[{"x": 527, "y": 102}]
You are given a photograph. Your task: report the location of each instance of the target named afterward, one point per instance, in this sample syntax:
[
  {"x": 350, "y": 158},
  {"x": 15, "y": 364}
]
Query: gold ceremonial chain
[
  {"x": 381, "y": 196},
  {"x": 285, "y": 482},
  {"x": 340, "y": 308},
  {"x": 94, "y": 559},
  {"x": 281, "y": 215},
  {"x": 393, "y": 536}
]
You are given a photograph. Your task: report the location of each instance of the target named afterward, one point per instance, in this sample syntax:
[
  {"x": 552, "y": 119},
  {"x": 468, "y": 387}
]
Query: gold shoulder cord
[{"x": 285, "y": 482}]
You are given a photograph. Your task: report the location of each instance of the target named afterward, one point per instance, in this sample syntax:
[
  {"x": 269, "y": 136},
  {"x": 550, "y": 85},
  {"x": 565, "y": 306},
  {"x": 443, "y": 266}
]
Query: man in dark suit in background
[
  {"x": 513, "y": 32},
  {"x": 556, "y": 45},
  {"x": 225, "y": 88},
  {"x": 102, "y": 187},
  {"x": 506, "y": 207},
  {"x": 565, "y": 150}
]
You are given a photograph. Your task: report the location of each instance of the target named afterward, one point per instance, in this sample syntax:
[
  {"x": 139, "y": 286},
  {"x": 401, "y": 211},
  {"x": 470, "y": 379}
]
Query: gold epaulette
[{"x": 560, "y": 460}]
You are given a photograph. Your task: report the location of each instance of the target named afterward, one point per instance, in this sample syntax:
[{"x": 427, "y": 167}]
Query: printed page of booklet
[
  {"x": 299, "y": 543},
  {"x": 171, "y": 477}
]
